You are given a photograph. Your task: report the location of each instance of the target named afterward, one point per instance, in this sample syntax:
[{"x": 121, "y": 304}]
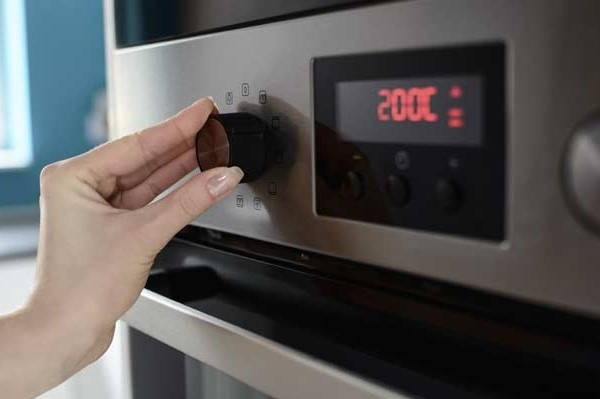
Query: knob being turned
[{"x": 236, "y": 139}]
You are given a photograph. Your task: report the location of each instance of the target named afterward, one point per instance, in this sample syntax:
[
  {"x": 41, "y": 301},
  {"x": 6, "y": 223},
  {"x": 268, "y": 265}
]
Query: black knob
[
  {"x": 352, "y": 186},
  {"x": 237, "y": 139},
  {"x": 448, "y": 194},
  {"x": 581, "y": 172},
  {"x": 398, "y": 190}
]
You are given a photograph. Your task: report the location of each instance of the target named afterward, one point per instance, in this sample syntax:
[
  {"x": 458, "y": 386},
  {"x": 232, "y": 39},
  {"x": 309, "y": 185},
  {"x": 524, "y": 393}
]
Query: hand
[{"x": 100, "y": 232}]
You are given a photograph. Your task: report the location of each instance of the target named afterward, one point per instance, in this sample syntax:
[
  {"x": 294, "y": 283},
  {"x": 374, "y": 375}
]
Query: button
[
  {"x": 398, "y": 190},
  {"x": 229, "y": 98},
  {"x": 239, "y": 201},
  {"x": 448, "y": 194},
  {"x": 581, "y": 172},
  {"x": 245, "y": 89},
  {"x": 352, "y": 186},
  {"x": 257, "y": 204}
]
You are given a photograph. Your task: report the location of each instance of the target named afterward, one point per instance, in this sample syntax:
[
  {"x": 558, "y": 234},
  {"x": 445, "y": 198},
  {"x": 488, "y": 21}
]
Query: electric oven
[{"x": 421, "y": 214}]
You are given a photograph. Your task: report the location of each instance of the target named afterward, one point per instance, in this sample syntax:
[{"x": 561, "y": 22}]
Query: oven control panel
[
  {"x": 455, "y": 140},
  {"x": 413, "y": 139}
]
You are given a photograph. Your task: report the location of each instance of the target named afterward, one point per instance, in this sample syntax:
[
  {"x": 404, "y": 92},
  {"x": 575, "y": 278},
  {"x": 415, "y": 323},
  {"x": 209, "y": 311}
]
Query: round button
[
  {"x": 448, "y": 194},
  {"x": 352, "y": 186},
  {"x": 581, "y": 172},
  {"x": 236, "y": 139},
  {"x": 398, "y": 190}
]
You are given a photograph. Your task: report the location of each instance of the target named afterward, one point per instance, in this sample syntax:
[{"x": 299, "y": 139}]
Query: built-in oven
[{"x": 421, "y": 214}]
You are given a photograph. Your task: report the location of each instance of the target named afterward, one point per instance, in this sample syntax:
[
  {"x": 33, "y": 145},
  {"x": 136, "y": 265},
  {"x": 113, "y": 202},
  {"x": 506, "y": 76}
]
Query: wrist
[{"x": 65, "y": 340}]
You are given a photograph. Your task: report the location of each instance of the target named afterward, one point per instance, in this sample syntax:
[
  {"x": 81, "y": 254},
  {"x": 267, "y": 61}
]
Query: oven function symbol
[
  {"x": 272, "y": 188},
  {"x": 262, "y": 96},
  {"x": 402, "y": 160},
  {"x": 257, "y": 204},
  {"x": 239, "y": 201},
  {"x": 275, "y": 122},
  {"x": 245, "y": 89},
  {"x": 229, "y": 98}
]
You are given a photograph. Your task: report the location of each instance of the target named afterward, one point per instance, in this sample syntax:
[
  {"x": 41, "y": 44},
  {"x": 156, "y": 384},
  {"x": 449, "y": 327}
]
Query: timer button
[
  {"x": 448, "y": 194},
  {"x": 398, "y": 190},
  {"x": 236, "y": 139},
  {"x": 352, "y": 186}
]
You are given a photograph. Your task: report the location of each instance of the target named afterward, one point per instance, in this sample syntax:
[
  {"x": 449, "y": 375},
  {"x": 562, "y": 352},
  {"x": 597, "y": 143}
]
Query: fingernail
[
  {"x": 214, "y": 103},
  {"x": 222, "y": 183}
]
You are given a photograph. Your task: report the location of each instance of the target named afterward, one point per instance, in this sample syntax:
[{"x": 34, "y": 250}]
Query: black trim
[{"x": 140, "y": 22}]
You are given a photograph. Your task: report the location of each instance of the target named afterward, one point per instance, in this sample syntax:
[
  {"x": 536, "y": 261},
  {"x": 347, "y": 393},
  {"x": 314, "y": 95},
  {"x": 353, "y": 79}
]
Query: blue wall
[{"x": 66, "y": 68}]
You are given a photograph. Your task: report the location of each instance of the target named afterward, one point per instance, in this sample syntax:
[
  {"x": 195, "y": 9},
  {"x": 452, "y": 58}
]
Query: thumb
[{"x": 173, "y": 212}]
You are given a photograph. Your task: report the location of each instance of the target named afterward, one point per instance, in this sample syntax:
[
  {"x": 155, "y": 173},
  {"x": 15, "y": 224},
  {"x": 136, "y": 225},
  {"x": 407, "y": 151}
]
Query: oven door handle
[{"x": 265, "y": 365}]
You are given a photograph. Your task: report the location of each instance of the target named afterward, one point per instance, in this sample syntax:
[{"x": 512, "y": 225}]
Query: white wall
[{"x": 106, "y": 379}]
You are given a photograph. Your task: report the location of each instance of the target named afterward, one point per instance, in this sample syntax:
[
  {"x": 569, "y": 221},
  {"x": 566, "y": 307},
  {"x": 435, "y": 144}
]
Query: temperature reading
[
  {"x": 422, "y": 110},
  {"x": 414, "y": 105}
]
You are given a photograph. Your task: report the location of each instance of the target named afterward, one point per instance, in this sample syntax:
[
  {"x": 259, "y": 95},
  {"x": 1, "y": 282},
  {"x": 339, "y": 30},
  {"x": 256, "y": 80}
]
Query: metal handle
[{"x": 265, "y": 365}]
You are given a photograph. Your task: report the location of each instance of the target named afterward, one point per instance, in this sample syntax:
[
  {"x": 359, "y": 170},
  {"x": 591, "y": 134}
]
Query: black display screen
[
  {"x": 145, "y": 21},
  {"x": 440, "y": 111},
  {"x": 413, "y": 138}
]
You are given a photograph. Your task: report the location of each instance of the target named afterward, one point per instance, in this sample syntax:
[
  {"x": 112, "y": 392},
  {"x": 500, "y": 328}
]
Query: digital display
[{"x": 429, "y": 111}]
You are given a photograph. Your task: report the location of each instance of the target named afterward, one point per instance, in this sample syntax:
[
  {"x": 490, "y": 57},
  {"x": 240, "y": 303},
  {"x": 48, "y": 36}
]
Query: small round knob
[
  {"x": 581, "y": 172},
  {"x": 352, "y": 186},
  {"x": 398, "y": 190},
  {"x": 237, "y": 139},
  {"x": 448, "y": 194}
]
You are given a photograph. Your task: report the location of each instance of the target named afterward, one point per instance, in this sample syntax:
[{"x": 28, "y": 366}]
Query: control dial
[
  {"x": 236, "y": 139},
  {"x": 581, "y": 171}
]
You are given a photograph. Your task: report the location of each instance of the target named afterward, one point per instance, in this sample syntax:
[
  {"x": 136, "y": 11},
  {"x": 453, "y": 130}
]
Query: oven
[{"x": 424, "y": 217}]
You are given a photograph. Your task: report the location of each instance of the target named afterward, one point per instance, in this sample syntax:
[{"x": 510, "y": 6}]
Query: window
[{"x": 15, "y": 124}]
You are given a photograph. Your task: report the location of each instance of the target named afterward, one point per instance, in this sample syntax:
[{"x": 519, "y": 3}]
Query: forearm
[{"x": 39, "y": 350}]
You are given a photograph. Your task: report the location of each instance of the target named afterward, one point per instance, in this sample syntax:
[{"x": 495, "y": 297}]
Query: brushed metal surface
[
  {"x": 273, "y": 369},
  {"x": 553, "y": 71}
]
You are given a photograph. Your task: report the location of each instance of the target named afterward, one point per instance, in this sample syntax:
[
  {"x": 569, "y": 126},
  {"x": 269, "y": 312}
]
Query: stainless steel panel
[
  {"x": 262, "y": 364},
  {"x": 554, "y": 81}
]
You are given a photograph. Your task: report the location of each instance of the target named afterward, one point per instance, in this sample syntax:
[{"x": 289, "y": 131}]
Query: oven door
[
  {"x": 195, "y": 333},
  {"x": 225, "y": 317}
]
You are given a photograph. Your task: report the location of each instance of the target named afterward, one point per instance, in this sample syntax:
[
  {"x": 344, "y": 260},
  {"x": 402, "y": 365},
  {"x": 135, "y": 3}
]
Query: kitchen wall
[{"x": 66, "y": 69}]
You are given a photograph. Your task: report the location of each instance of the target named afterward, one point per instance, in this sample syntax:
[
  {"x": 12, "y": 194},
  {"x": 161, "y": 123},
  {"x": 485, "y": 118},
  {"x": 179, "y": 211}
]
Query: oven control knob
[
  {"x": 237, "y": 139},
  {"x": 581, "y": 172}
]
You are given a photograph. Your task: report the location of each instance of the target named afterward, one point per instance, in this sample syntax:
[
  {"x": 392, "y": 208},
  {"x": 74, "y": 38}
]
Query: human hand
[{"x": 100, "y": 232}]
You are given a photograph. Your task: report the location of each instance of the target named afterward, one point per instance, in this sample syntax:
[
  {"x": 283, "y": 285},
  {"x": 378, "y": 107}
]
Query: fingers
[
  {"x": 156, "y": 183},
  {"x": 182, "y": 206},
  {"x": 133, "y": 158}
]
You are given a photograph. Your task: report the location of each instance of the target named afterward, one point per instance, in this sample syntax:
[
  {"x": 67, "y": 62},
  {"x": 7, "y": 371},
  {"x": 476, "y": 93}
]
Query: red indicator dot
[
  {"x": 456, "y": 91},
  {"x": 456, "y": 123},
  {"x": 455, "y": 112}
]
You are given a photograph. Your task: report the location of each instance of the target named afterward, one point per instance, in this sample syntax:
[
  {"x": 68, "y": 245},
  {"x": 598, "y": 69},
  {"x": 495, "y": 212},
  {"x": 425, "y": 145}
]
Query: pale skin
[{"x": 100, "y": 230}]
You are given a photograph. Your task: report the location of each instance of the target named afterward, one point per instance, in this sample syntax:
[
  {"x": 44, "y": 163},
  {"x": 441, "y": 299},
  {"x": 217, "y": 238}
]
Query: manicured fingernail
[
  {"x": 222, "y": 183},
  {"x": 214, "y": 103}
]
